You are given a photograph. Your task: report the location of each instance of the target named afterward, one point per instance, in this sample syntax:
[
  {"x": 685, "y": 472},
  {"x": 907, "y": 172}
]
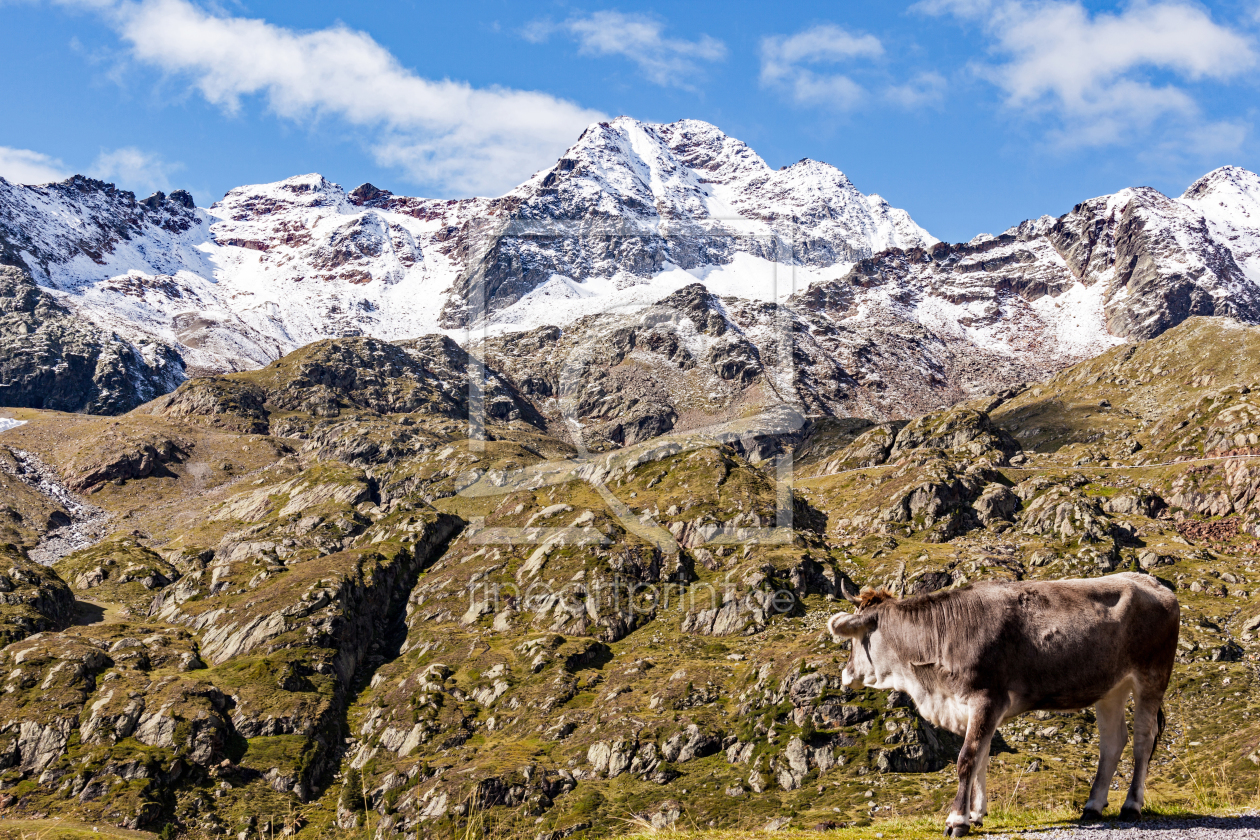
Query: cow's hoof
[
  {"x": 1130, "y": 815},
  {"x": 1090, "y": 815},
  {"x": 958, "y": 831}
]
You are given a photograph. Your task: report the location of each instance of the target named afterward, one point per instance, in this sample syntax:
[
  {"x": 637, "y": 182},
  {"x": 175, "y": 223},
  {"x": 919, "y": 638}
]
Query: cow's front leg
[
  {"x": 979, "y": 786},
  {"x": 985, "y": 713}
]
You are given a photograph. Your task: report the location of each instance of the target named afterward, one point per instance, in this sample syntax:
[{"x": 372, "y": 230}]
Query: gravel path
[{"x": 1244, "y": 827}]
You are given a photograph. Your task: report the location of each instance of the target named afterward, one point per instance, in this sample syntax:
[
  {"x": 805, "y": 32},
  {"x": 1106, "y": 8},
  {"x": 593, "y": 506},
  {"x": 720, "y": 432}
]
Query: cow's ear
[{"x": 852, "y": 626}]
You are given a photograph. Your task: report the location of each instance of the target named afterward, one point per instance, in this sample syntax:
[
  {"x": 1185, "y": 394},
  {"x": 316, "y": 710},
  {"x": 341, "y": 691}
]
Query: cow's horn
[{"x": 844, "y": 590}]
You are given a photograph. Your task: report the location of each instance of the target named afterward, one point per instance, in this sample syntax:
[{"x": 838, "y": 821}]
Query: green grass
[{"x": 65, "y": 829}]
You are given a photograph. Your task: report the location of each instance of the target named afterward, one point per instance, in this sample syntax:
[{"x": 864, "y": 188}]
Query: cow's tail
[{"x": 1160, "y": 720}]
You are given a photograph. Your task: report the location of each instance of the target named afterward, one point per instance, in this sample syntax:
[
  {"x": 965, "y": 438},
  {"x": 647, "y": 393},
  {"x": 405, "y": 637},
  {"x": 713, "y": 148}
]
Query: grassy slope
[
  {"x": 1203, "y": 765},
  {"x": 65, "y": 829}
]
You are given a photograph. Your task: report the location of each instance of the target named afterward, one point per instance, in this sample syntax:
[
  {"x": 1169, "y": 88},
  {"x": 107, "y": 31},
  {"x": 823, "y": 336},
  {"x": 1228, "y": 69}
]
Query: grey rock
[
  {"x": 664, "y": 816},
  {"x": 797, "y": 756},
  {"x": 996, "y": 503},
  {"x": 52, "y": 358},
  {"x": 689, "y": 743},
  {"x": 834, "y": 713},
  {"x": 1148, "y": 559},
  {"x": 1134, "y": 504}
]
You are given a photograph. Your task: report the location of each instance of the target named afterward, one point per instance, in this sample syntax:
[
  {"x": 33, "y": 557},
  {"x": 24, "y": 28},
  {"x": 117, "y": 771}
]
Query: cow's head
[{"x": 859, "y": 626}]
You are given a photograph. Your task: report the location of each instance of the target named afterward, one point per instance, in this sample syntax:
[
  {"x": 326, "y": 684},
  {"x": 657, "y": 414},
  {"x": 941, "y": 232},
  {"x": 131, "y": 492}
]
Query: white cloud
[
  {"x": 132, "y": 169},
  {"x": 446, "y": 134},
  {"x": 924, "y": 89},
  {"x": 22, "y": 166},
  {"x": 1094, "y": 72},
  {"x": 538, "y": 31},
  {"x": 639, "y": 38},
  {"x": 790, "y": 62},
  {"x": 961, "y": 8},
  {"x": 1187, "y": 148}
]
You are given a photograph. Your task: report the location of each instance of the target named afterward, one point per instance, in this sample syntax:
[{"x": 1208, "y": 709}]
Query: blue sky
[{"x": 971, "y": 114}]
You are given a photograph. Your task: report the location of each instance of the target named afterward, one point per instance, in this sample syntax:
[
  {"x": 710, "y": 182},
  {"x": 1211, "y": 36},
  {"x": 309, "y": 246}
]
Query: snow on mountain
[
  {"x": 819, "y": 204},
  {"x": 651, "y": 208},
  {"x": 1045, "y": 294},
  {"x": 83, "y": 231},
  {"x": 886, "y": 318},
  {"x": 301, "y": 260},
  {"x": 900, "y": 333},
  {"x": 1229, "y": 198},
  {"x": 632, "y": 212}
]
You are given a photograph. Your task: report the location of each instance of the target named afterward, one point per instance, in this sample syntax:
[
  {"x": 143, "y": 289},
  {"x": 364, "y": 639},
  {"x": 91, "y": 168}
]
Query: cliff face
[{"x": 51, "y": 357}]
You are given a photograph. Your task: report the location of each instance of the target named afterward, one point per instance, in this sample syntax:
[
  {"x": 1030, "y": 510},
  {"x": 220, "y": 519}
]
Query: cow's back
[
  {"x": 1056, "y": 644},
  {"x": 1065, "y": 643}
]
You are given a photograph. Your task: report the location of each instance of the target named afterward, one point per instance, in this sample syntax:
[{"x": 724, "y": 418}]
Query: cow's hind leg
[
  {"x": 1147, "y": 724},
  {"x": 984, "y": 716},
  {"x": 1112, "y": 735}
]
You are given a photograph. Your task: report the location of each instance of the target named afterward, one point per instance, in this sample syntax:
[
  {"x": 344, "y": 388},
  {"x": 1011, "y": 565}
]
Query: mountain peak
[
  {"x": 311, "y": 183},
  {"x": 310, "y": 190},
  {"x": 1224, "y": 179},
  {"x": 1230, "y": 199},
  {"x": 369, "y": 194}
]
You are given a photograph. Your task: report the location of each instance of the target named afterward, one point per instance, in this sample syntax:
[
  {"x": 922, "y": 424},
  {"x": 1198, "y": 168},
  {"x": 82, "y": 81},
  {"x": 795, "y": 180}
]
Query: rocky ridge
[
  {"x": 883, "y": 320},
  {"x": 271, "y": 267}
]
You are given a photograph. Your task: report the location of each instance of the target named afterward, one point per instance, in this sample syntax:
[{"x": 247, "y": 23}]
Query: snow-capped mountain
[
  {"x": 881, "y": 318},
  {"x": 653, "y": 208},
  {"x": 1229, "y": 198},
  {"x": 620, "y": 221},
  {"x": 1049, "y": 291}
]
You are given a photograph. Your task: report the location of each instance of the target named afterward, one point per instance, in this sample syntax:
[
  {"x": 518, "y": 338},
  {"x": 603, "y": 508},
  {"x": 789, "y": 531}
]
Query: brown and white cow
[{"x": 975, "y": 657}]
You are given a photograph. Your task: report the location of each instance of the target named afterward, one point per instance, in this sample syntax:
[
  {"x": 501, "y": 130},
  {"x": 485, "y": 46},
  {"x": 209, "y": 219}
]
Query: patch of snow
[
  {"x": 1077, "y": 319},
  {"x": 561, "y": 300}
]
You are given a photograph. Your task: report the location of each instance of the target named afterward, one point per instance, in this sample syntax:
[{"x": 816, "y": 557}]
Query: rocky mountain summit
[
  {"x": 275, "y": 266},
  {"x": 852, "y": 306},
  {"x": 317, "y": 600}
]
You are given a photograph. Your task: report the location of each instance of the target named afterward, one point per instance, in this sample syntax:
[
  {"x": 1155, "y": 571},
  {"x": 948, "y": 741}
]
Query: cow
[{"x": 975, "y": 657}]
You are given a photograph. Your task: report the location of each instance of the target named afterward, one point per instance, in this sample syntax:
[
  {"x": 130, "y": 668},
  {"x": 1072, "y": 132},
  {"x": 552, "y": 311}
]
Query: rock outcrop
[
  {"x": 33, "y": 599},
  {"x": 52, "y": 358}
]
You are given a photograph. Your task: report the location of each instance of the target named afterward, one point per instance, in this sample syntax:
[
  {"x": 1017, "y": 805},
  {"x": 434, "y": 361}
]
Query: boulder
[
  {"x": 1134, "y": 504},
  {"x": 996, "y": 503},
  {"x": 689, "y": 743},
  {"x": 962, "y": 432}
]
